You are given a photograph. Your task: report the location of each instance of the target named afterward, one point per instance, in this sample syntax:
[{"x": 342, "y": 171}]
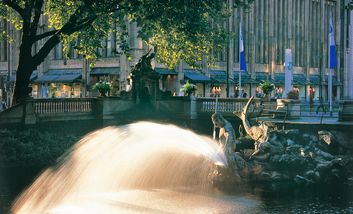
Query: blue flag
[
  {"x": 241, "y": 52},
  {"x": 333, "y": 57}
]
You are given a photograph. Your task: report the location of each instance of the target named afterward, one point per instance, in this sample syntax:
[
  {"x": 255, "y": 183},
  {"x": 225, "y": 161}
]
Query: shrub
[
  {"x": 267, "y": 87},
  {"x": 293, "y": 94},
  {"x": 102, "y": 86},
  {"x": 32, "y": 147},
  {"x": 188, "y": 88}
]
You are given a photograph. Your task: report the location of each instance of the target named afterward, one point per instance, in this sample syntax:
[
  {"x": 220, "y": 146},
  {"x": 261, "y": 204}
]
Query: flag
[
  {"x": 241, "y": 52},
  {"x": 333, "y": 57}
]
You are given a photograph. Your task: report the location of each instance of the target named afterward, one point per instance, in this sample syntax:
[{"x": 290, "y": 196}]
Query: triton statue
[{"x": 258, "y": 133}]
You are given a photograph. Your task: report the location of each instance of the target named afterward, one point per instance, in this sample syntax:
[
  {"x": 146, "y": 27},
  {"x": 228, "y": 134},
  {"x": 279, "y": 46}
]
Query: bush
[
  {"x": 32, "y": 147},
  {"x": 188, "y": 88},
  {"x": 102, "y": 86},
  {"x": 267, "y": 87},
  {"x": 293, "y": 94}
]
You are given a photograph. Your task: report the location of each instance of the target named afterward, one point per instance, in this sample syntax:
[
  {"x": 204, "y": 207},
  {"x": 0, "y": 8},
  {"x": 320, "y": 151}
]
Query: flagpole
[
  {"x": 240, "y": 45},
  {"x": 332, "y": 62},
  {"x": 330, "y": 89},
  {"x": 240, "y": 94}
]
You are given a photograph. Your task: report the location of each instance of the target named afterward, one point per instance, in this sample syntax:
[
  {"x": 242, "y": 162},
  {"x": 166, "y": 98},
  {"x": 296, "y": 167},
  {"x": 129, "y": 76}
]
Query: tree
[{"x": 180, "y": 29}]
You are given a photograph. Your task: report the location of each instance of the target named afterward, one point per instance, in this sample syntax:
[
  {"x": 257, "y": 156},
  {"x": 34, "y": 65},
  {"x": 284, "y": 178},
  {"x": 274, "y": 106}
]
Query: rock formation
[{"x": 293, "y": 156}]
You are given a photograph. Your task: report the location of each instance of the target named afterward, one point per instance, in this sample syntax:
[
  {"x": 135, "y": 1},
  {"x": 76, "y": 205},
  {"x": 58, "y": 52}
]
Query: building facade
[{"x": 269, "y": 28}]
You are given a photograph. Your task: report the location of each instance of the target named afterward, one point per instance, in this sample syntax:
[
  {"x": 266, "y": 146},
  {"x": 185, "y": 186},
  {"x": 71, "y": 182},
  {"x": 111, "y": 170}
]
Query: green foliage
[
  {"x": 102, "y": 86},
  {"x": 188, "y": 88},
  {"x": 186, "y": 30},
  {"x": 266, "y": 87},
  {"x": 181, "y": 30},
  {"x": 31, "y": 147}
]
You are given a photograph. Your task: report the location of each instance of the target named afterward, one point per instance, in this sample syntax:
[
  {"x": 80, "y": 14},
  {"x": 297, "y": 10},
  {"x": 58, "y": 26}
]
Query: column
[
  {"x": 323, "y": 50},
  {"x": 252, "y": 48},
  {"x": 307, "y": 45},
  {"x": 261, "y": 34},
  {"x": 339, "y": 48},
  {"x": 180, "y": 71},
  {"x": 349, "y": 82},
  {"x": 230, "y": 60},
  {"x": 272, "y": 40}
]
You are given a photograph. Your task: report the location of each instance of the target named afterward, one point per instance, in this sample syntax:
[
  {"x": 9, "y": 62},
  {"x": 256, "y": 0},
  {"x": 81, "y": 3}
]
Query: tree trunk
[{"x": 24, "y": 70}]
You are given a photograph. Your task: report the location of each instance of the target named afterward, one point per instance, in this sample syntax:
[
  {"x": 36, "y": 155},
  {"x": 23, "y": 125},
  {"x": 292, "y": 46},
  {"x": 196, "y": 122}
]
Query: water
[
  {"x": 153, "y": 168},
  {"x": 138, "y": 156}
]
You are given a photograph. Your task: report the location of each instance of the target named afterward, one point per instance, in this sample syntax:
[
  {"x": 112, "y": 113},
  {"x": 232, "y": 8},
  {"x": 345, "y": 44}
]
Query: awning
[
  {"x": 165, "y": 71},
  {"x": 335, "y": 82},
  {"x": 261, "y": 76},
  {"x": 62, "y": 75},
  {"x": 220, "y": 76},
  {"x": 279, "y": 78},
  {"x": 315, "y": 80},
  {"x": 298, "y": 79},
  {"x": 245, "y": 77},
  {"x": 105, "y": 71},
  {"x": 195, "y": 76}
]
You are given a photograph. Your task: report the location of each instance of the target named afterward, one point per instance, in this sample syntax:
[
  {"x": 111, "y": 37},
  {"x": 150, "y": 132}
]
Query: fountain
[{"x": 132, "y": 168}]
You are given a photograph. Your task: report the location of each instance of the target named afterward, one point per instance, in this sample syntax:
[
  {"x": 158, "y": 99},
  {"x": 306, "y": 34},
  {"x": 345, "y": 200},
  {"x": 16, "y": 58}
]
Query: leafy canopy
[{"x": 180, "y": 29}]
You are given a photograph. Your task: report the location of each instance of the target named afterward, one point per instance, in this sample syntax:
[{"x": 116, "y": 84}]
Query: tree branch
[
  {"x": 14, "y": 6},
  {"x": 43, "y": 35},
  {"x": 54, "y": 40},
  {"x": 71, "y": 28},
  {"x": 39, "y": 57}
]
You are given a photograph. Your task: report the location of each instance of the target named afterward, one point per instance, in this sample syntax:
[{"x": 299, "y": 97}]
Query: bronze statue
[
  {"x": 258, "y": 133},
  {"x": 140, "y": 73},
  {"x": 226, "y": 133}
]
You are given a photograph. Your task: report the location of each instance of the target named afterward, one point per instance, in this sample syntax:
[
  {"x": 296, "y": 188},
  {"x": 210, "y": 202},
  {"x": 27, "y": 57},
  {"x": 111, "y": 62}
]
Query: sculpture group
[{"x": 284, "y": 156}]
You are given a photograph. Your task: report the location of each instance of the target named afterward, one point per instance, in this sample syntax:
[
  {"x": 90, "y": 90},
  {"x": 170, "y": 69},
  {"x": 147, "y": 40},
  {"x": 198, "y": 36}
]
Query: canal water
[
  {"x": 242, "y": 199},
  {"x": 166, "y": 198}
]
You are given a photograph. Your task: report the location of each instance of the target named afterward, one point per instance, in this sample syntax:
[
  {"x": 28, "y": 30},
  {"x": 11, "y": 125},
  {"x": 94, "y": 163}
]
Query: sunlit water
[{"x": 141, "y": 167}]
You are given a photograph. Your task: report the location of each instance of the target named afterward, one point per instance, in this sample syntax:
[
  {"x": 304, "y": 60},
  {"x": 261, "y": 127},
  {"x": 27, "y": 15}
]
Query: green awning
[
  {"x": 105, "y": 71},
  {"x": 298, "y": 79},
  {"x": 165, "y": 71},
  {"x": 196, "y": 76},
  {"x": 261, "y": 76},
  {"x": 60, "y": 75},
  {"x": 220, "y": 76},
  {"x": 245, "y": 77}
]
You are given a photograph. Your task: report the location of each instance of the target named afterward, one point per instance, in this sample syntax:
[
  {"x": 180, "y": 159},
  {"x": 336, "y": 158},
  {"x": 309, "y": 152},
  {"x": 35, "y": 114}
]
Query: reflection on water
[
  {"x": 156, "y": 201},
  {"x": 153, "y": 168}
]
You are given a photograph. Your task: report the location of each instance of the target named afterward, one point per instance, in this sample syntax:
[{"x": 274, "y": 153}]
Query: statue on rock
[
  {"x": 144, "y": 79},
  {"x": 258, "y": 133},
  {"x": 226, "y": 135}
]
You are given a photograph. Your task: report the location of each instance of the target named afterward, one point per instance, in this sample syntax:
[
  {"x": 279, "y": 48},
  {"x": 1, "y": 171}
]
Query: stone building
[{"x": 269, "y": 27}]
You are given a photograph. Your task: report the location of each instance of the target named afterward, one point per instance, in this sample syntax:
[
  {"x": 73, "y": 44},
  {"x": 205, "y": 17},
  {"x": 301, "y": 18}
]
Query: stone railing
[
  {"x": 34, "y": 111},
  {"x": 192, "y": 108},
  {"x": 53, "y": 106},
  {"x": 225, "y": 105}
]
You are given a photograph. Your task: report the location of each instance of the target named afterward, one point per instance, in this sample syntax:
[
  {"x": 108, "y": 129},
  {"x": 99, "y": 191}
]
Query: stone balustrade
[{"x": 54, "y": 106}]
